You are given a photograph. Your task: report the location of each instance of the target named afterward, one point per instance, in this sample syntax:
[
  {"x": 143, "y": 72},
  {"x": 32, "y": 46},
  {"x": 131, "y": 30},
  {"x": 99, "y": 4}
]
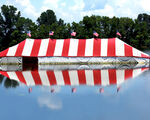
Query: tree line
[
  {"x": 8, "y": 83},
  {"x": 13, "y": 28}
]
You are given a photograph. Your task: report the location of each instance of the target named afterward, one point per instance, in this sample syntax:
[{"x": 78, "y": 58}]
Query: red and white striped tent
[
  {"x": 102, "y": 77},
  {"x": 95, "y": 47}
]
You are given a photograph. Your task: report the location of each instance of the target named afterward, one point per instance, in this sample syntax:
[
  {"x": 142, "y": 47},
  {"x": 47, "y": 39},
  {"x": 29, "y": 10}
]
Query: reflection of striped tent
[
  {"x": 74, "y": 77},
  {"x": 112, "y": 47}
]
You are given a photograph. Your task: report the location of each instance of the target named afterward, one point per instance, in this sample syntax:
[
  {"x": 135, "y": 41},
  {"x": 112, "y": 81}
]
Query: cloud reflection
[{"x": 50, "y": 102}]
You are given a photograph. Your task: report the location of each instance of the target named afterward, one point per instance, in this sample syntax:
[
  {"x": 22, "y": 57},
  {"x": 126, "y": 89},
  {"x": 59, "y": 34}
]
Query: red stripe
[
  {"x": 143, "y": 55},
  {"x": 128, "y": 73},
  {"x": 111, "y": 47},
  {"x": 128, "y": 50},
  {"x": 51, "y": 77},
  {"x": 97, "y": 47},
  {"x": 4, "y": 74},
  {"x": 36, "y": 47},
  {"x": 66, "y": 77},
  {"x": 97, "y": 77},
  {"x": 143, "y": 69},
  {"x": 112, "y": 76},
  {"x": 20, "y": 48},
  {"x": 66, "y": 47},
  {"x": 81, "y": 76},
  {"x": 36, "y": 77},
  {"x": 81, "y": 47},
  {"x": 4, "y": 53},
  {"x": 51, "y": 47},
  {"x": 21, "y": 77}
]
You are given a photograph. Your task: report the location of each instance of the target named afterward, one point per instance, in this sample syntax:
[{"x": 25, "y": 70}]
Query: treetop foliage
[{"x": 13, "y": 28}]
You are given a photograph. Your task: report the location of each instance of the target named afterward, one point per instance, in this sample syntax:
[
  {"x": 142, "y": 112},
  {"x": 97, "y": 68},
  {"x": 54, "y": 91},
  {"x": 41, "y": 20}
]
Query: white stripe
[
  {"x": 44, "y": 78},
  {"x": 89, "y": 47},
  {"x": 104, "y": 46},
  {"x": 136, "y": 72},
  {"x": 59, "y": 47},
  {"x": 12, "y": 75},
  {"x": 73, "y": 47},
  {"x": 28, "y": 78},
  {"x": 120, "y": 76},
  {"x": 59, "y": 77},
  {"x": 119, "y": 47},
  {"x": 28, "y": 47},
  {"x": 89, "y": 77},
  {"x": 43, "y": 47},
  {"x": 136, "y": 52},
  {"x": 74, "y": 80},
  {"x": 104, "y": 77},
  {"x": 12, "y": 50}
]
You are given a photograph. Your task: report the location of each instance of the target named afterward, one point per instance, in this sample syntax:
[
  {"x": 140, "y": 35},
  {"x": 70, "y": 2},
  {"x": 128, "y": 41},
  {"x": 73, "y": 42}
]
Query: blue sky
[
  {"x": 130, "y": 103},
  {"x": 74, "y": 10}
]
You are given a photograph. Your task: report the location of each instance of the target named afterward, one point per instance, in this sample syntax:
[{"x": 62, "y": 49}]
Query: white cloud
[
  {"x": 128, "y": 8},
  {"x": 25, "y": 6},
  {"x": 63, "y": 4},
  {"x": 79, "y": 5},
  {"x": 93, "y": 6},
  {"x": 23, "y": 2},
  {"x": 29, "y": 9},
  {"x": 52, "y": 3},
  {"x": 50, "y": 102},
  {"x": 145, "y": 5},
  {"x": 44, "y": 8},
  {"x": 107, "y": 11},
  {"x": 120, "y": 8},
  {"x": 120, "y": 3},
  {"x": 64, "y": 10},
  {"x": 75, "y": 10}
]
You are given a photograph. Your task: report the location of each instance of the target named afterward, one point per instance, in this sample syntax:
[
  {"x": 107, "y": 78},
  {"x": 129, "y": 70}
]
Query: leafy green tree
[
  {"x": 42, "y": 31},
  {"x": 89, "y": 24},
  {"x": 104, "y": 25},
  {"x": 141, "y": 34},
  {"x": 126, "y": 28},
  {"x": 8, "y": 19},
  {"x": 47, "y": 18},
  {"x": 79, "y": 29},
  {"x": 114, "y": 26},
  {"x": 10, "y": 83},
  {"x": 1, "y": 79},
  {"x": 13, "y": 27}
]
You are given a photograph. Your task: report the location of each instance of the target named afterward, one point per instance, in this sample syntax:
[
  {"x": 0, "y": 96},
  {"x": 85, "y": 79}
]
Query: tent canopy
[{"x": 95, "y": 47}]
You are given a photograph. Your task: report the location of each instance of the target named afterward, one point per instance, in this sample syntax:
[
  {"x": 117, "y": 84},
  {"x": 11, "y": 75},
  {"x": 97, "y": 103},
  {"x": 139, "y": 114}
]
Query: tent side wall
[
  {"x": 92, "y": 60},
  {"x": 10, "y": 60}
]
